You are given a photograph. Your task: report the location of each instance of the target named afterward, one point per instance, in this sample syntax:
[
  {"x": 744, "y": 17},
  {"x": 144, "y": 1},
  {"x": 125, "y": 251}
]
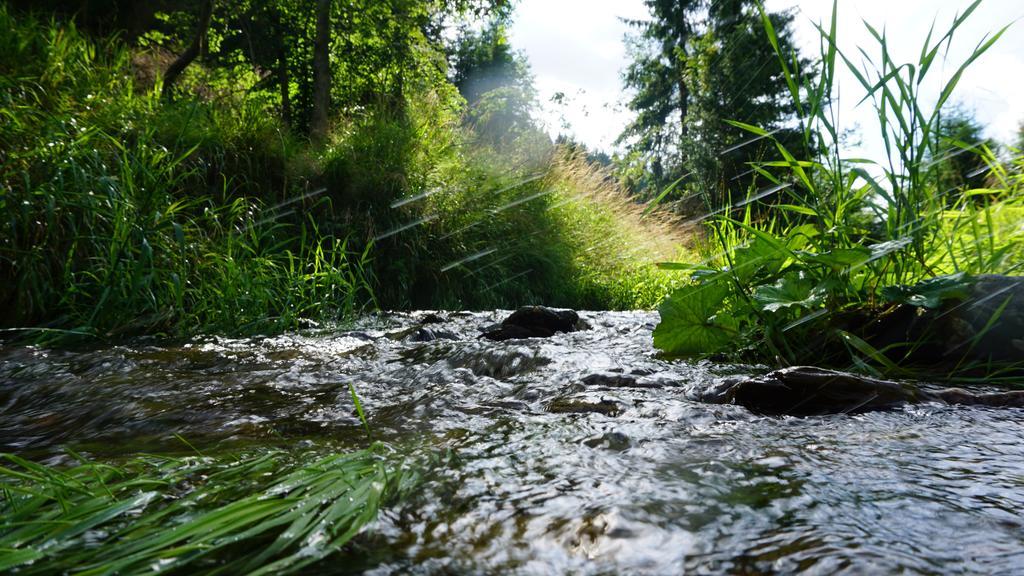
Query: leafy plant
[{"x": 845, "y": 246}]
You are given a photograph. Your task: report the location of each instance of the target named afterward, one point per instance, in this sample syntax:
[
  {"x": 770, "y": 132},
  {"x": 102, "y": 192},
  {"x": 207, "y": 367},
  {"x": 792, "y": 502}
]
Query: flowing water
[{"x": 544, "y": 470}]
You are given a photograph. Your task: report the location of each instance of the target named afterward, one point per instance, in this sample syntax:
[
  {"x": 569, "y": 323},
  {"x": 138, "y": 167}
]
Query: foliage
[
  {"x": 696, "y": 65},
  {"x": 124, "y": 214},
  {"x": 121, "y": 215},
  {"x": 847, "y": 245},
  {"x": 259, "y": 513},
  {"x": 960, "y": 163},
  {"x": 497, "y": 85}
]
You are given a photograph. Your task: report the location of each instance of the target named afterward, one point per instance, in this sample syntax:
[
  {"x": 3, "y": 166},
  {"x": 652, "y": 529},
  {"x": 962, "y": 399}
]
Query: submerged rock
[
  {"x": 570, "y": 406},
  {"x": 616, "y": 441},
  {"x": 617, "y": 380},
  {"x": 808, "y": 391},
  {"x": 429, "y": 335},
  {"x": 534, "y": 322}
]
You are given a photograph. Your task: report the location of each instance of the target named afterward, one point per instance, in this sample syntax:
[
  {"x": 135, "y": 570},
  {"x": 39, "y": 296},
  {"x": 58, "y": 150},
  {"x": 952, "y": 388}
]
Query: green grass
[
  {"x": 790, "y": 283},
  {"x": 266, "y": 512},
  {"x": 123, "y": 214}
]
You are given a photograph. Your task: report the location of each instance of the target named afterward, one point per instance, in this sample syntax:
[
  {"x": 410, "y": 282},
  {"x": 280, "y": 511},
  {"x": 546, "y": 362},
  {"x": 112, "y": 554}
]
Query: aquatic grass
[{"x": 264, "y": 512}]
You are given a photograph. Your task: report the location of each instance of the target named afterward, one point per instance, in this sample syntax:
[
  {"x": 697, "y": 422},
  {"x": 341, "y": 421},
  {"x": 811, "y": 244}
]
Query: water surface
[{"x": 538, "y": 472}]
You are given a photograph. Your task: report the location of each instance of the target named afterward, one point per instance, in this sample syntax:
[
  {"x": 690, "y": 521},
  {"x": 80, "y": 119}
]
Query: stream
[{"x": 542, "y": 470}]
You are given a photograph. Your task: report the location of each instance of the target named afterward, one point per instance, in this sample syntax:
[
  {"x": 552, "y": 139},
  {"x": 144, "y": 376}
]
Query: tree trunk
[
  {"x": 285, "y": 84},
  {"x": 193, "y": 50},
  {"x": 684, "y": 105},
  {"x": 321, "y": 71}
]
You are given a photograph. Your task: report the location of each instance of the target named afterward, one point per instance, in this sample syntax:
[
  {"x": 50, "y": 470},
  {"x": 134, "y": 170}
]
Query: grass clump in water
[{"x": 260, "y": 513}]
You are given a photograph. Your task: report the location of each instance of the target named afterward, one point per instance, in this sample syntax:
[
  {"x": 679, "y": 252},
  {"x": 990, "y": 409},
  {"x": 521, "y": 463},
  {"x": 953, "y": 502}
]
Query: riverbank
[{"x": 125, "y": 214}]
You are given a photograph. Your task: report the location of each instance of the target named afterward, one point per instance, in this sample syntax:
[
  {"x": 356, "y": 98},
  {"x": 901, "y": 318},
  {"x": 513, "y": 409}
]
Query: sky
[{"x": 575, "y": 47}]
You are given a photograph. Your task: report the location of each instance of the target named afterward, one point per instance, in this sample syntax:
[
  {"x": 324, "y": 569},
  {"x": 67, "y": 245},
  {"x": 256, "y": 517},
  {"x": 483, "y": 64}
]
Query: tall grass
[
  {"x": 121, "y": 214},
  {"x": 552, "y": 230},
  {"x": 795, "y": 283},
  {"x": 124, "y": 214},
  {"x": 264, "y": 512},
  {"x": 461, "y": 223}
]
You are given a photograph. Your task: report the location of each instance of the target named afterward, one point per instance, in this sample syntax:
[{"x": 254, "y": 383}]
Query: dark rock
[
  {"x": 429, "y": 335},
  {"x": 1014, "y": 399},
  {"x": 616, "y": 441},
  {"x": 534, "y": 322},
  {"x": 805, "y": 391},
  {"x": 569, "y": 406},
  {"x": 612, "y": 380},
  {"x": 401, "y": 334},
  {"x": 975, "y": 329},
  {"x": 432, "y": 318},
  {"x": 509, "y": 405},
  {"x": 967, "y": 328},
  {"x": 808, "y": 391},
  {"x": 609, "y": 379}
]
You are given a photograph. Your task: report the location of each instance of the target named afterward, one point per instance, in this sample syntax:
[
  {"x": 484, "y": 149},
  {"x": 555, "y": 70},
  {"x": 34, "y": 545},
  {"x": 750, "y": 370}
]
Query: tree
[
  {"x": 959, "y": 162},
  {"x": 657, "y": 74},
  {"x": 195, "y": 48},
  {"x": 321, "y": 71},
  {"x": 496, "y": 83},
  {"x": 705, "y": 63}
]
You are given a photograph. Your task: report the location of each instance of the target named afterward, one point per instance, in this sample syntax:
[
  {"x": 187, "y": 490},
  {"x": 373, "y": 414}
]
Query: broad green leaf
[
  {"x": 930, "y": 293},
  {"x": 792, "y": 290},
  {"x": 839, "y": 259},
  {"x": 694, "y": 321},
  {"x": 758, "y": 257}
]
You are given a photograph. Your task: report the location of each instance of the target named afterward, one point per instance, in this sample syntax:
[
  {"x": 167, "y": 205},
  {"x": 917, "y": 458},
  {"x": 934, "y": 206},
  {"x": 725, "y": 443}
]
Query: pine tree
[{"x": 698, "y": 64}]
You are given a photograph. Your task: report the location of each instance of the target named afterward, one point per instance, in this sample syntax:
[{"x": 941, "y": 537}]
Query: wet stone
[
  {"x": 571, "y": 406},
  {"x": 429, "y": 335},
  {"x": 534, "y": 322},
  {"x": 809, "y": 391},
  {"x": 432, "y": 318},
  {"x": 806, "y": 391},
  {"x": 616, "y": 441},
  {"x": 1012, "y": 399},
  {"x": 616, "y": 380}
]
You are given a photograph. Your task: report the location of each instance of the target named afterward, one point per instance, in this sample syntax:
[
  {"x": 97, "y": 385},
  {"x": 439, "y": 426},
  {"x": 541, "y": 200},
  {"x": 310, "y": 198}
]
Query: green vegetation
[
  {"x": 696, "y": 65},
  {"x": 245, "y": 169},
  {"x": 128, "y": 206},
  {"x": 795, "y": 286},
  {"x": 258, "y": 513}
]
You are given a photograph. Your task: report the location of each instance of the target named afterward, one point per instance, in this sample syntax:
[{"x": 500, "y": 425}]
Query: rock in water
[
  {"x": 985, "y": 325},
  {"x": 806, "y": 391},
  {"x": 534, "y": 322},
  {"x": 809, "y": 391},
  {"x": 1013, "y": 399},
  {"x": 989, "y": 324}
]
